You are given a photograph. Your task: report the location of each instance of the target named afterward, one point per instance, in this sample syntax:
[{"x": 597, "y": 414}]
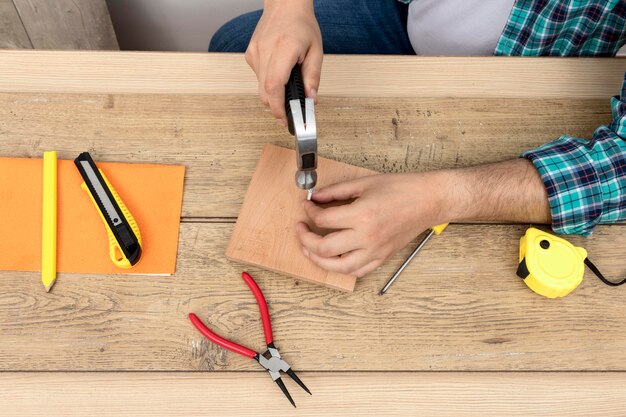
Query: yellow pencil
[{"x": 49, "y": 224}]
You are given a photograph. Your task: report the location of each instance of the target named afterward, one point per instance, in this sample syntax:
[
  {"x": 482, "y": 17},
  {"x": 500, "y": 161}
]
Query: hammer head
[{"x": 305, "y": 133}]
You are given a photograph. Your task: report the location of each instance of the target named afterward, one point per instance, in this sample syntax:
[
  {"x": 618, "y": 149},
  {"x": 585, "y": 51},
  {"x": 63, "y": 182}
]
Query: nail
[
  {"x": 305, "y": 252},
  {"x": 313, "y": 93},
  {"x": 282, "y": 122}
]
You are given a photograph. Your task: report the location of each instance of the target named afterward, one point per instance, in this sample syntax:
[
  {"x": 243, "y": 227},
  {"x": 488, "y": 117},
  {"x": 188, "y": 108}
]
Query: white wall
[{"x": 173, "y": 25}]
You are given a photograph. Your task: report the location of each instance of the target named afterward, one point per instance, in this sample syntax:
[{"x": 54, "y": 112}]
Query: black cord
[{"x": 596, "y": 271}]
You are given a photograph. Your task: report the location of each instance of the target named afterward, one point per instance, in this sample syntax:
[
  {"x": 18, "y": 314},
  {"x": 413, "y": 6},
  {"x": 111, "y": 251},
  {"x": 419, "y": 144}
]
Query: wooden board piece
[
  {"x": 265, "y": 234},
  {"x": 455, "y": 308},
  {"x": 334, "y": 394},
  {"x": 342, "y": 75},
  {"x": 12, "y": 33},
  {"x": 219, "y": 138},
  {"x": 68, "y": 24}
]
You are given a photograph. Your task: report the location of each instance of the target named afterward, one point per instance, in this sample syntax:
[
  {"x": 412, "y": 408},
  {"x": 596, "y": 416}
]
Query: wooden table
[{"x": 455, "y": 335}]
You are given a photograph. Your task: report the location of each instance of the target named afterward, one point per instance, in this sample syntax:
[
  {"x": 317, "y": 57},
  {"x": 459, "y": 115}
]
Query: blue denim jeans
[{"x": 347, "y": 26}]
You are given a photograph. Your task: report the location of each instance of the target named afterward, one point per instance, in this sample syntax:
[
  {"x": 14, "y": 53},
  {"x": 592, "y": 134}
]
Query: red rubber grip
[
  {"x": 260, "y": 300},
  {"x": 218, "y": 340}
]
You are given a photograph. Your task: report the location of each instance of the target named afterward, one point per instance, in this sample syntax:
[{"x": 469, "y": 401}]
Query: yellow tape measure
[{"x": 551, "y": 266}]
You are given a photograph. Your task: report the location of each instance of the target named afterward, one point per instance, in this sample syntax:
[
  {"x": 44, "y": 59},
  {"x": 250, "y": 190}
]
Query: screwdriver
[{"x": 435, "y": 230}]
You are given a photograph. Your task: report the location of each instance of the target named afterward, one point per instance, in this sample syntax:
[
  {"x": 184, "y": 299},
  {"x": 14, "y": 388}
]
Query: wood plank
[
  {"x": 265, "y": 234},
  {"x": 12, "y": 32},
  {"x": 334, "y": 394},
  {"x": 459, "y": 306},
  {"x": 219, "y": 138},
  {"x": 349, "y": 76},
  {"x": 67, "y": 24}
]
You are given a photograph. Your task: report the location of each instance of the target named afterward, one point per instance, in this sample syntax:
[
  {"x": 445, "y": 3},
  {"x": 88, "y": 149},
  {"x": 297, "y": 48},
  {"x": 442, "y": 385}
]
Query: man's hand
[
  {"x": 287, "y": 34},
  {"x": 387, "y": 213},
  {"x": 390, "y": 210}
]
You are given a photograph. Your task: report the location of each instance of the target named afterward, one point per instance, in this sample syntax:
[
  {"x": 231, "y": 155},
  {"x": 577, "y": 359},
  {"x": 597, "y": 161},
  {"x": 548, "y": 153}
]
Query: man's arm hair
[{"x": 510, "y": 191}]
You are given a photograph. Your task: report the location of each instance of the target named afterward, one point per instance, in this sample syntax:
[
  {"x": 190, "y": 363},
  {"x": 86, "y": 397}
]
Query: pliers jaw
[{"x": 273, "y": 363}]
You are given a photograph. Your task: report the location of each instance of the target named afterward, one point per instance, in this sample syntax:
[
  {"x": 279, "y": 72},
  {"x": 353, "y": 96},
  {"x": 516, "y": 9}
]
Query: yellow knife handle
[
  {"x": 439, "y": 228},
  {"x": 115, "y": 251}
]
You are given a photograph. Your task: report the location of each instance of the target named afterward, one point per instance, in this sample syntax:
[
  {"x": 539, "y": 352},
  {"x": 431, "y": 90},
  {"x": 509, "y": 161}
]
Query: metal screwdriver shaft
[
  {"x": 435, "y": 230},
  {"x": 406, "y": 263}
]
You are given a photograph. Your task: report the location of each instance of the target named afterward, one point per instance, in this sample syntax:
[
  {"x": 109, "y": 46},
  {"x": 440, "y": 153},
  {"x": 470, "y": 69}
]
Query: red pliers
[{"x": 271, "y": 359}]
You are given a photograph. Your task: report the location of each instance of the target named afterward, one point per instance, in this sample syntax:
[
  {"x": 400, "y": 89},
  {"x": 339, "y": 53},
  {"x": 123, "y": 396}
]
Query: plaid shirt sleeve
[
  {"x": 564, "y": 28},
  {"x": 586, "y": 180}
]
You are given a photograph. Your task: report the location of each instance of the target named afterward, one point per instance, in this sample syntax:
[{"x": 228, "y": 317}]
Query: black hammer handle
[{"x": 294, "y": 90}]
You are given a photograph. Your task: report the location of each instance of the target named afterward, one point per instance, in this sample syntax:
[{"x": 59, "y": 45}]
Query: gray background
[{"x": 173, "y": 25}]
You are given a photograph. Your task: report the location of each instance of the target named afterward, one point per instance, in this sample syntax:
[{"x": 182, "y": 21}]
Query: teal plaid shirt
[
  {"x": 585, "y": 180},
  {"x": 563, "y": 28}
]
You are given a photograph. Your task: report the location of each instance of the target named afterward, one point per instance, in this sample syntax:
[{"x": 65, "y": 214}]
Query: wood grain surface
[
  {"x": 334, "y": 394},
  {"x": 346, "y": 76},
  {"x": 458, "y": 307},
  {"x": 219, "y": 138},
  {"x": 68, "y": 24},
  {"x": 12, "y": 32},
  {"x": 265, "y": 234}
]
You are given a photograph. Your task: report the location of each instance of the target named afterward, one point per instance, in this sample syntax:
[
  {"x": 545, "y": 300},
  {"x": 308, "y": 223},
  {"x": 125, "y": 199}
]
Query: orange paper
[{"x": 152, "y": 193}]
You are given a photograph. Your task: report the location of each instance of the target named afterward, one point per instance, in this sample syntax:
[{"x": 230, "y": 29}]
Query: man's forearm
[{"x": 504, "y": 191}]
